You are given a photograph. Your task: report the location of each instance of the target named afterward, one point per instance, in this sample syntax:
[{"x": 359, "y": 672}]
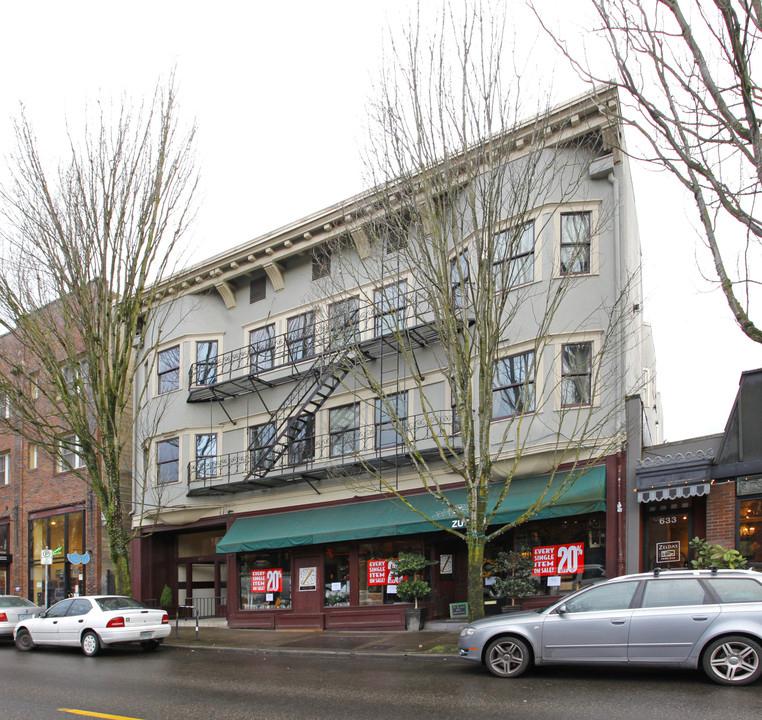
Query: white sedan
[
  {"x": 12, "y": 609},
  {"x": 92, "y": 621}
]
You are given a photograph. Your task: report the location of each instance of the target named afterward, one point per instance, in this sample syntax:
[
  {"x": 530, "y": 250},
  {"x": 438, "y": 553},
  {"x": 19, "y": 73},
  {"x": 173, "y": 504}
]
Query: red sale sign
[
  {"x": 381, "y": 572},
  {"x": 558, "y": 559},
  {"x": 267, "y": 581}
]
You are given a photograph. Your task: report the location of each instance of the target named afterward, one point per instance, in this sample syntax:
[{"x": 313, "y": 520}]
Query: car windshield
[
  {"x": 13, "y": 601},
  {"x": 119, "y": 603}
]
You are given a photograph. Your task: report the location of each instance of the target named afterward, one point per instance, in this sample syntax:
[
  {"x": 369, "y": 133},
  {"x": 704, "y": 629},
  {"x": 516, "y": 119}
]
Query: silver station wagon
[{"x": 683, "y": 618}]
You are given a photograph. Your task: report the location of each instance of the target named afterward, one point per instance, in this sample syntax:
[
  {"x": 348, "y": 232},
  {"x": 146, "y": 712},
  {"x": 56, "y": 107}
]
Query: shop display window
[
  {"x": 336, "y": 573},
  {"x": 265, "y": 580},
  {"x": 376, "y": 582},
  {"x": 750, "y": 531}
]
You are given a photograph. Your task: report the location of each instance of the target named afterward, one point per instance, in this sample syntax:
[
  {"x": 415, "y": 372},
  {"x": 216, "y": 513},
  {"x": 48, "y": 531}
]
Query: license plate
[
  {"x": 145, "y": 635},
  {"x": 25, "y": 616}
]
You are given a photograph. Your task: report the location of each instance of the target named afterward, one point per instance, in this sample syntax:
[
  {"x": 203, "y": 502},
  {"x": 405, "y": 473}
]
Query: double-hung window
[
  {"x": 262, "y": 348},
  {"x": 206, "y": 362},
  {"x": 168, "y": 369},
  {"x": 343, "y": 323},
  {"x": 167, "y": 461},
  {"x": 5, "y": 468},
  {"x": 344, "y": 430},
  {"x": 576, "y": 374},
  {"x": 261, "y": 439},
  {"x": 576, "y": 232},
  {"x": 69, "y": 457},
  {"x": 206, "y": 455},
  {"x": 301, "y": 439},
  {"x": 514, "y": 256},
  {"x": 300, "y": 336},
  {"x": 389, "y": 303},
  {"x": 513, "y": 386},
  {"x": 391, "y": 419}
]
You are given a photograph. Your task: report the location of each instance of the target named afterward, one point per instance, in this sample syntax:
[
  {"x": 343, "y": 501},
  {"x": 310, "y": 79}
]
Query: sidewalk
[{"x": 438, "y": 640}]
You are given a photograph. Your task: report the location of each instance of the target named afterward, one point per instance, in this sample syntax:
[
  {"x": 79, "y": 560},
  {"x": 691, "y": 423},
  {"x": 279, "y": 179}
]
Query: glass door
[{"x": 667, "y": 534}]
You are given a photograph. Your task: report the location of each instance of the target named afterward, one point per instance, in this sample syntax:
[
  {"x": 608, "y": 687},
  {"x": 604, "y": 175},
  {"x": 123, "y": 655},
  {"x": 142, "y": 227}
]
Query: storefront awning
[
  {"x": 673, "y": 493},
  {"x": 390, "y": 517}
]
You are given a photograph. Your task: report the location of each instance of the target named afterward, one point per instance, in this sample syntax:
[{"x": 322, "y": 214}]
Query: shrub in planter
[
  {"x": 166, "y": 597},
  {"x": 514, "y": 574},
  {"x": 708, "y": 555},
  {"x": 414, "y": 587}
]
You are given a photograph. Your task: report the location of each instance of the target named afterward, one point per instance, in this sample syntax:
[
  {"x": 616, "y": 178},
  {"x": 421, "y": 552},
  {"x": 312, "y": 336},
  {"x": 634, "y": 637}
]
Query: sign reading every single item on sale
[
  {"x": 267, "y": 581},
  {"x": 381, "y": 572},
  {"x": 558, "y": 559}
]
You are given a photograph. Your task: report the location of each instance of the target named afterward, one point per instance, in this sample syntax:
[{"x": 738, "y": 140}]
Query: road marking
[{"x": 96, "y": 714}]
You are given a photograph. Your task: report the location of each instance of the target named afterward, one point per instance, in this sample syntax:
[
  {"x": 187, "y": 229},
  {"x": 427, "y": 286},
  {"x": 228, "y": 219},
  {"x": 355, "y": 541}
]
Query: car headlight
[{"x": 467, "y": 631}]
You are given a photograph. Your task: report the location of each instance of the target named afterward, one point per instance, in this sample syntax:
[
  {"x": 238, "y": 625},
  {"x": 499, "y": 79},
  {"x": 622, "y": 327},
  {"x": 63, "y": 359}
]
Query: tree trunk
[{"x": 475, "y": 543}]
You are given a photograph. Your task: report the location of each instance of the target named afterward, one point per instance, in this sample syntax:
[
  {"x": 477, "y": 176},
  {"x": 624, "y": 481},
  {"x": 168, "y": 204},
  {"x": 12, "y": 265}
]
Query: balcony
[
  {"x": 313, "y": 458},
  {"x": 276, "y": 359}
]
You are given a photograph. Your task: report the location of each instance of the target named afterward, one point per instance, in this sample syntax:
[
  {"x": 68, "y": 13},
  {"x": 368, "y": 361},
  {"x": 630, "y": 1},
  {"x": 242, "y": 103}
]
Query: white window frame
[
  {"x": 593, "y": 207},
  {"x": 159, "y": 352},
  {"x": 575, "y": 339},
  {"x": 159, "y": 441},
  {"x": 73, "y": 460},
  {"x": 5, "y": 468}
]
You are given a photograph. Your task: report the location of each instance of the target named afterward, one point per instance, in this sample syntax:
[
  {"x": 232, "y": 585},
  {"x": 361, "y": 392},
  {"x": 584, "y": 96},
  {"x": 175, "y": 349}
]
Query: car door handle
[
  {"x": 55, "y": 622},
  {"x": 618, "y": 622},
  {"x": 81, "y": 620},
  {"x": 701, "y": 618}
]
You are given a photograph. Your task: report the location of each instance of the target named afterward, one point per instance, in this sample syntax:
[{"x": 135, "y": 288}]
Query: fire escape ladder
[{"x": 292, "y": 419}]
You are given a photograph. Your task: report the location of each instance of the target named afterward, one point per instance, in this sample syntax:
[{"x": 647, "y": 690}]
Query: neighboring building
[
  {"x": 43, "y": 504},
  {"x": 258, "y": 506},
  {"x": 708, "y": 487}
]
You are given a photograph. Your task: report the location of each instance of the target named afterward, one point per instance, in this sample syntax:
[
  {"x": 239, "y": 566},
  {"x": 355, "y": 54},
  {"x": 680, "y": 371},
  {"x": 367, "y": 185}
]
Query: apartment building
[{"x": 301, "y": 399}]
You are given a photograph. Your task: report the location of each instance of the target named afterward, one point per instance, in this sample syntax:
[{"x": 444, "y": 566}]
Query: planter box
[{"x": 415, "y": 619}]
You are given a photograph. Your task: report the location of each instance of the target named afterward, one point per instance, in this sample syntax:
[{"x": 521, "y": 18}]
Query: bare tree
[
  {"x": 444, "y": 264},
  {"x": 82, "y": 250},
  {"x": 688, "y": 71}
]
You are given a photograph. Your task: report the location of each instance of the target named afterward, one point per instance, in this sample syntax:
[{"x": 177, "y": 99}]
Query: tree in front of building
[
  {"x": 449, "y": 270},
  {"x": 82, "y": 249},
  {"x": 690, "y": 71}
]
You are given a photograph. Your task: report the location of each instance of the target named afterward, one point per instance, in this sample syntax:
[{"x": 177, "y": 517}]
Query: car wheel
[
  {"x": 507, "y": 657},
  {"x": 90, "y": 644},
  {"x": 733, "y": 660},
  {"x": 150, "y": 645},
  {"x": 24, "y": 640}
]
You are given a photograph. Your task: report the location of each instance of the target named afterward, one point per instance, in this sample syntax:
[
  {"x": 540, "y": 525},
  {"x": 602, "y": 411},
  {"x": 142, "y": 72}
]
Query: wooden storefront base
[{"x": 385, "y": 617}]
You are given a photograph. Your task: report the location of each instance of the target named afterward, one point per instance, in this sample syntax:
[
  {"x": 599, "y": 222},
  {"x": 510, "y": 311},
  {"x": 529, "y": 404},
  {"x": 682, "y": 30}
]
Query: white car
[
  {"x": 12, "y": 609},
  {"x": 92, "y": 621}
]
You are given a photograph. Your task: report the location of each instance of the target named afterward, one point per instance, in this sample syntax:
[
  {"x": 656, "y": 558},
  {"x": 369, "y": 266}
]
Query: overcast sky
[{"x": 279, "y": 92}]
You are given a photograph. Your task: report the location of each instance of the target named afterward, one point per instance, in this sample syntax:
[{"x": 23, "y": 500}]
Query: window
[
  {"x": 5, "y": 468},
  {"x": 169, "y": 369},
  {"x": 262, "y": 348},
  {"x": 460, "y": 277},
  {"x": 343, "y": 322},
  {"x": 513, "y": 391},
  {"x": 321, "y": 263},
  {"x": 32, "y": 457},
  {"x": 576, "y": 374},
  {"x": 69, "y": 454},
  {"x": 264, "y": 580},
  {"x": 736, "y": 590},
  {"x": 168, "y": 461},
  {"x": 391, "y": 415},
  {"x": 344, "y": 430},
  {"x": 750, "y": 528},
  {"x": 336, "y": 574},
  {"x": 301, "y": 439},
  {"x": 389, "y": 305},
  {"x": 257, "y": 289},
  {"x": 514, "y": 256},
  {"x": 300, "y": 336},
  {"x": 670, "y": 592},
  {"x": 206, "y": 362},
  {"x": 617, "y": 596},
  {"x": 206, "y": 455},
  {"x": 261, "y": 439},
  {"x": 575, "y": 243},
  {"x": 5, "y": 405},
  {"x": 75, "y": 375}
]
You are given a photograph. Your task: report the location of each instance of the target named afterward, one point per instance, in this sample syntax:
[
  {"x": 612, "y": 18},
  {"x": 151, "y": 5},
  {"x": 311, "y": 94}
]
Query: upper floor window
[
  {"x": 513, "y": 386},
  {"x": 75, "y": 375},
  {"x": 389, "y": 303},
  {"x": 300, "y": 336},
  {"x": 69, "y": 457},
  {"x": 321, "y": 263},
  {"x": 168, "y": 461},
  {"x": 460, "y": 277},
  {"x": 514, "y": 256},
  {"x": 32, "y": 456},
  {"x": 343, "y": 322},
  {"x": 5, "y": 468},
  {"x": 576, "y": 374},
  {"x": 206, "y": 362},
  {"x": 262, "y": 348},
  {"x": 301, "y": 439},
  {"x": 344, "y": 430},
  {"x": 575, "y": 243},
  {"x": 206, "y": 455},
  {"x": 261, "y": 439},
  {"x": 168, "y": 369},
  {"x": 391, "y": 419}
]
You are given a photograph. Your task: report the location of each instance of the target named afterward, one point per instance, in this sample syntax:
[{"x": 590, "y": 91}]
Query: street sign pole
[{"x": 46, "y": 559}]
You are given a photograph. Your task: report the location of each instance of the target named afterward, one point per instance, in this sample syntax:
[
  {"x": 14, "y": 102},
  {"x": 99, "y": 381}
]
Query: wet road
[{"x": 178, "y": 684}]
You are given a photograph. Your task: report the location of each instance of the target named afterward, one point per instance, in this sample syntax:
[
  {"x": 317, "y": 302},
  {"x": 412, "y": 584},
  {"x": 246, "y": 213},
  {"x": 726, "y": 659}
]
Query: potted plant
[
  {"x": 165, "y": 600},
  {"x": 514, "y": 576},
  {"x": 411, "y": 566},
  {"x": 708, "y": 555}
]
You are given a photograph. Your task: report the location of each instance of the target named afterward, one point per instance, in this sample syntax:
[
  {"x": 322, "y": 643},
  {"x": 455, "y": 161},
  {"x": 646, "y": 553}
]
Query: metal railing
[{"x": 210, "y": 607}]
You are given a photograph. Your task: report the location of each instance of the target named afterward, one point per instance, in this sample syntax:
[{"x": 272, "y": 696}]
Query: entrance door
[
  {"x": 307, "y": 585},
  {"x": 668, "y": 531}
]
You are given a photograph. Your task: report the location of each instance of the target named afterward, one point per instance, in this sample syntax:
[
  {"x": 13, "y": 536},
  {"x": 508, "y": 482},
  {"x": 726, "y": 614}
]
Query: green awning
[{"x": 389, "y": 517}]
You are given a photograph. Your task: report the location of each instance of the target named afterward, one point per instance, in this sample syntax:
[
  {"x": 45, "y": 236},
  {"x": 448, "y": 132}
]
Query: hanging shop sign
[
  {"x": 267, "y": 581},
  {"x": 77, "y": 559},
  {"x": 558, "y": 559}
]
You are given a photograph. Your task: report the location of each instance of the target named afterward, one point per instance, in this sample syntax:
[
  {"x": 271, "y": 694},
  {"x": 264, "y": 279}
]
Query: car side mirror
[{"x": 562, "y": 609}]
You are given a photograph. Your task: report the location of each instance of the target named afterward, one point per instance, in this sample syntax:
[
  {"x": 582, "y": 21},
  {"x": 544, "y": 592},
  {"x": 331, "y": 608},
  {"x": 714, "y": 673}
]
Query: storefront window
[
  {"x": 750, "y": 531},
  {"x": 265, "y": 580},
  {"x": 375, "y": 571},
  {"x": 336, "y": 573}
]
